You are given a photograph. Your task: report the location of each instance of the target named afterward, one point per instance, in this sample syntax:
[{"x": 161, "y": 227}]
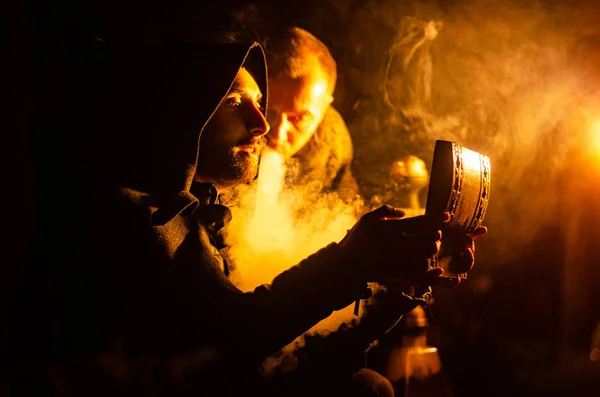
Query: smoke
[
  {"x": 274, "y": 227},
  {"x": 521, "y": 102},
  {"x": 513, "y": 80},
  {"x": 517, "y": 81}
]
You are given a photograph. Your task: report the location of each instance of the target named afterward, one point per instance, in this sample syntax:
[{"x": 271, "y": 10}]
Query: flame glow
[
  {"x": 319, "y": 89},
  {"x": 595, "y": 136},
  {"x": 268, "y": 235}
]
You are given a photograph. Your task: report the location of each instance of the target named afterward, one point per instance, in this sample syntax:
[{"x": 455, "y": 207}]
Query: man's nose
[
  {"x": 278, "y": 134},
  {"x": 256, "y": 123}
]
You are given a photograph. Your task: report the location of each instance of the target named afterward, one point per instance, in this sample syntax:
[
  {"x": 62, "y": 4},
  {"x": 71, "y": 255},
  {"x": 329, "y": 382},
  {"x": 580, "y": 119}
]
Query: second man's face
[{"x": 296, "y": 108}]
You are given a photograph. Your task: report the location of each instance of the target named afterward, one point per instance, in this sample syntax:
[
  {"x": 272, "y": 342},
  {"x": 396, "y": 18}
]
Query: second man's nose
[{"x": 277, "y": 136}]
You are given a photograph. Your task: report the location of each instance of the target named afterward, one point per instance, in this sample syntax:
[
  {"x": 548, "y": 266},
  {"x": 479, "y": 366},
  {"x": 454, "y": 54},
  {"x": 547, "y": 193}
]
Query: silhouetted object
[
  {"x": 414, "y": 367},
  {"x": 408, "y": 177},
  {"x": 595, "y": 346}
]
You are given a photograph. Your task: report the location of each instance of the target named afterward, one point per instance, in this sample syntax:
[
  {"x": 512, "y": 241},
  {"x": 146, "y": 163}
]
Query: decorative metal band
[
  {"x": 484, "y": 194},
  {"x": 458, "y": 180}
]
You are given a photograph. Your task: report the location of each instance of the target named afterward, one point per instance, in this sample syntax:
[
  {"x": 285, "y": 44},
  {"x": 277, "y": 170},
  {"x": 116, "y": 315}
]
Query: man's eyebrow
[{"x": 237, "y": 89}]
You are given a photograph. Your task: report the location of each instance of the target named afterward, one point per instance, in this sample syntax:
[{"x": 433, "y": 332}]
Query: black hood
[{"x": 154, "y": 106}]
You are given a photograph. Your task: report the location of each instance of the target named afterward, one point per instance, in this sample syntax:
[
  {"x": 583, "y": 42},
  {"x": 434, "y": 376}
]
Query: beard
[
  {"x": 243, "y": 168},
  {"x": 227, "y": 167}
]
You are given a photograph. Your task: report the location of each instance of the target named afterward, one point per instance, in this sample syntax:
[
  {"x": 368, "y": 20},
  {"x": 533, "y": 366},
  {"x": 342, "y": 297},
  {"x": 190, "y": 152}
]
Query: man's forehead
[
  {"x": 297, "y": 93},
  {"x": 245, "y": 83}
]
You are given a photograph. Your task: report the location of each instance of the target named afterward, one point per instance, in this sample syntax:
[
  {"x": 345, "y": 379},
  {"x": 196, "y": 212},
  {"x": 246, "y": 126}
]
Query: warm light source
[
  {"x": 319, "y": 88},
  {"x": 595, "y": 136}
]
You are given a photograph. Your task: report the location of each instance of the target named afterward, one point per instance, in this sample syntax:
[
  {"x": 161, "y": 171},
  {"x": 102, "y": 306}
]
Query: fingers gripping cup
[{"x": 460, "y": 185}]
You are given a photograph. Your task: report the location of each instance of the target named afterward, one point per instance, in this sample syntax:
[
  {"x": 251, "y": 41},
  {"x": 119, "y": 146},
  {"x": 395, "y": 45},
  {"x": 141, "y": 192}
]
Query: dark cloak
[{"x": 131, "y": 293}]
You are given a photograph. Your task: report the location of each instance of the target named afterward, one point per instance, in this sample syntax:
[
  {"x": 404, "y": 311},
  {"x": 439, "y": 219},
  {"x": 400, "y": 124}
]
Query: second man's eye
[{"x": 299, "y": 119}]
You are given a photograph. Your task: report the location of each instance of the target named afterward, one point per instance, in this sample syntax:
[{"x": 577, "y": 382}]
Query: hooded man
[{"x": 136, "y": 296}]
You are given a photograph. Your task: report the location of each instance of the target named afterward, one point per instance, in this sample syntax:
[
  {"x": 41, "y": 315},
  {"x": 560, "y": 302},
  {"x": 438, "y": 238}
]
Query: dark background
[{"x": 506, "y": 79}]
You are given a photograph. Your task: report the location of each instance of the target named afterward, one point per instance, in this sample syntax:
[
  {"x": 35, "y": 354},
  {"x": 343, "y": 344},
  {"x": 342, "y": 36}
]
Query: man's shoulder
[
  {"x": 333, "y": 114},
  {"x": 132, "y": 195},
  {"x": 121, "y": 206},
  {"x": 333, "y": 123},
  {"x": 334, "y": 132},
  {"x": 133, "y": 199}
]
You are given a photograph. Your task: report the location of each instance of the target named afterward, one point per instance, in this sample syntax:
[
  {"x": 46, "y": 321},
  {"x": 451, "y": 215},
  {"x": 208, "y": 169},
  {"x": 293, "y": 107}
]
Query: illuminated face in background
[
  {"x": 233, "y": 139},
  {"x": 296, "y": 108}
]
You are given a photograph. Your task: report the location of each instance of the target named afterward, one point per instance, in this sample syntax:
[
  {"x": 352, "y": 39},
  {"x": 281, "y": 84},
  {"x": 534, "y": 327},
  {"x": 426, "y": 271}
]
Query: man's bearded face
[
  {"x": 233, "y": 139},
  {"x": 296, "y": 108}
]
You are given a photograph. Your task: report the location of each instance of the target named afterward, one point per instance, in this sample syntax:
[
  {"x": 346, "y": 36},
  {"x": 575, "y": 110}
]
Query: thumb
[{"x": 387, "y": 211}]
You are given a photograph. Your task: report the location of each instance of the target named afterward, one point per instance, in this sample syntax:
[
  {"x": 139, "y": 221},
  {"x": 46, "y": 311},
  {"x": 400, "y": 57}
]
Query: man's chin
[
  {"x": 248, "y": 170},
  {"x": 241, "y": 177}
]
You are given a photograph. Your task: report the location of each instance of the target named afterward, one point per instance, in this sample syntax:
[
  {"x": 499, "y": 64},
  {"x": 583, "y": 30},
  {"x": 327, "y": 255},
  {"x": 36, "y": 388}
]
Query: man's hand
[
  {"x": 460, "y": 247},
  {"x": 382, "y": 246}
]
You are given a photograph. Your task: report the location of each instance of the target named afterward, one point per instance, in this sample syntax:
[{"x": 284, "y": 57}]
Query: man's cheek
[{"x": 303, "y": 137}]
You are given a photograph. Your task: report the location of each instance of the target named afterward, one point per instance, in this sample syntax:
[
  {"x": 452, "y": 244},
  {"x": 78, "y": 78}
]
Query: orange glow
[
  {"x": 471, "y": 159},
  {"x": 267, "y": 235},
  {"x": 319, "y": 89},
  {"x": 409, "y": 166},
  {"x": 595, "y": 355},
  {"x": 595, "y": 136}
]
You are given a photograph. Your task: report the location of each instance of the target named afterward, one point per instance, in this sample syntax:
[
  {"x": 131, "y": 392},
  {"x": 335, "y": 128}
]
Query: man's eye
[
  {"x": 299, "y": 119},
  {"x": 260, "y": 106},
  {"x": 233, "y": 101}
]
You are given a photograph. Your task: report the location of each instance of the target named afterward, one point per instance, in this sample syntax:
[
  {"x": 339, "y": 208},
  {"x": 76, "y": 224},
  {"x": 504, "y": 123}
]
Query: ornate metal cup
[{"x": 460, "y": 185}]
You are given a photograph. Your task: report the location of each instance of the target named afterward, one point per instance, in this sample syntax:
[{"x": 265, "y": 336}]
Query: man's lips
[{"x": 249, "y": 149}]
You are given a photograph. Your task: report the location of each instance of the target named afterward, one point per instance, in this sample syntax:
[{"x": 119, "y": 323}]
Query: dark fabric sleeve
[
  {"x": 351, "y": 340},
  {"x": 324, "y": 356},
  {"x": 158, "y": 295},
  {"x": 176, "y": 304},
  {"x": 261, "y": 322}
]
